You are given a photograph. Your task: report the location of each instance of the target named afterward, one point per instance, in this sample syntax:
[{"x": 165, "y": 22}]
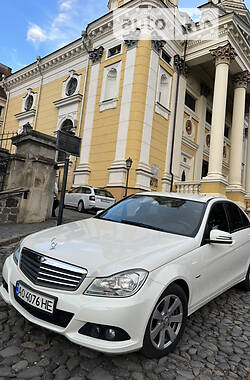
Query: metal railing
[{"x": 6, "y": 148}]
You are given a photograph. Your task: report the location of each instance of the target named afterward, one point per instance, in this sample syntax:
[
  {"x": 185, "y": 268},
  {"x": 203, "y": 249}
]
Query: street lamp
[{"x": 129, "y": 163}]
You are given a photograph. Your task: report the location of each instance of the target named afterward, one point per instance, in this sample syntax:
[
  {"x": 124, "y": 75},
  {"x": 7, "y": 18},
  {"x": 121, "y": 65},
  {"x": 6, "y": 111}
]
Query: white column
[
  {"x": 144, "y": 171},
  {"x": 248, "y": 159},
  {"x": 223, "y": 57},
  {"x": 118, "y": 171},
  {"x": 201, "y": 111},
  {"x": 240, "y": 81}
]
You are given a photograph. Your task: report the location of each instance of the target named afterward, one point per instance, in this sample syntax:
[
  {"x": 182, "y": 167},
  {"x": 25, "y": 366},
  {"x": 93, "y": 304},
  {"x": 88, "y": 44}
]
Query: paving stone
[
  {"x": 30, "y": 373},
  {"x": 10, "y": 351},
  {"x": 20, "y": 365}
]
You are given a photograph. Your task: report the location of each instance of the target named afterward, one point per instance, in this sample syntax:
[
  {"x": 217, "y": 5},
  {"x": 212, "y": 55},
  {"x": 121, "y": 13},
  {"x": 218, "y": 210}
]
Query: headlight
[
  {"x": 122, "y": 284},
  {"x": 16, "y": 253}
]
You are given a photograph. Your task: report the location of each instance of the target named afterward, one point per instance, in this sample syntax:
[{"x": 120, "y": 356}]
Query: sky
[{"x": 32, "y": 28}]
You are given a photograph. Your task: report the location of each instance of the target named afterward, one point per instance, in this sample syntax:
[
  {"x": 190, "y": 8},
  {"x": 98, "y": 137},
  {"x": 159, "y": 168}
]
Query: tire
[
  {"x": 80, "y": 206},
  {"x": 245, "y": 285},
  {"x": 162, "y": 334}
]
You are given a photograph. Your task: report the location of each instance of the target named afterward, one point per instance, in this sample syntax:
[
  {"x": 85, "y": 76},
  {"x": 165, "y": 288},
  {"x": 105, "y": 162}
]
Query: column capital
[
  {"x": 131, "y": 39},
  {"x": 241, "y": 80},
  {"x": 180, "y": 66},
  {"x": 223, "y": 54},
  {"x": 96, "y": 55}
]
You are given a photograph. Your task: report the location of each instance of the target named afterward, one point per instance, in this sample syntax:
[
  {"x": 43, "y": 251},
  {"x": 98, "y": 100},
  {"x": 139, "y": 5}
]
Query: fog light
[
  {"x": 110, "y": 334},
  {"x": 95, "y": 331}
]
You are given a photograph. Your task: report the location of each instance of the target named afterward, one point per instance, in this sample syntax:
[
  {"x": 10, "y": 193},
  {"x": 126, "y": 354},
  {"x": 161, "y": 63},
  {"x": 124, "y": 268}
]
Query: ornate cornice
[
  {"x": 241, "y": 80},
  {"x": 223, "y": 54},
  {"x": 96, "y": 55},
  {"x": 47, "y": 63}
]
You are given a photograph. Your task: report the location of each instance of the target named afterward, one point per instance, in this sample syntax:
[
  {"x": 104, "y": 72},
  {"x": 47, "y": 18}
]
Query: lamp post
[{"x": 129, "y": 163}]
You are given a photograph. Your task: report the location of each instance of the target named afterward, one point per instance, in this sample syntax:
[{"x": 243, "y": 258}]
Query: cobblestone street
[{"x": 215, "y": 346}]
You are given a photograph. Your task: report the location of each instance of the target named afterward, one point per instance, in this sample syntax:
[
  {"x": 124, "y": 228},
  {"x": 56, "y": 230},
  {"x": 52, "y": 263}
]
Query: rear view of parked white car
[
  {"x": 128, "y": 278},
  {"x": 88, "y": 198}
]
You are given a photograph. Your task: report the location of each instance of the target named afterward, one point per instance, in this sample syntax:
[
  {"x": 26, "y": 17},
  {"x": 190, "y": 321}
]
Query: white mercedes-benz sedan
[{"x": 128, "y": 278}]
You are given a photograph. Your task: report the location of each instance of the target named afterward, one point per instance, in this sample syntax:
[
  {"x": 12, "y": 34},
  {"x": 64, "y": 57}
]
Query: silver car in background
[{"x": 88, "y": 198}]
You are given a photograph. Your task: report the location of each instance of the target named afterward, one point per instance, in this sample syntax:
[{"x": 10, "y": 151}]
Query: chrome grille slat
[
  {"x": 48, "y": 272},
  {"x": 58, "y": 271},
  {"x": 55, "y": 276}
]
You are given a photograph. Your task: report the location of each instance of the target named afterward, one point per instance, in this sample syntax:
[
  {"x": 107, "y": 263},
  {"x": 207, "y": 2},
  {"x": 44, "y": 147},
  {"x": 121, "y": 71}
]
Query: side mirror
[{"x": 220, "y": 237}]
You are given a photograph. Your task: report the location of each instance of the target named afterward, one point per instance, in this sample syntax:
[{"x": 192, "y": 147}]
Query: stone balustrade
[{"x": 190, "y": 187}]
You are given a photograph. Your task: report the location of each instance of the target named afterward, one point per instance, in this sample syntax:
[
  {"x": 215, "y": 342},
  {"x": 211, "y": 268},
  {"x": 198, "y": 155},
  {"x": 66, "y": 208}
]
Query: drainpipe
[
  {"x": 38, "y": 59},
  {"x": 179, "y": 64}
]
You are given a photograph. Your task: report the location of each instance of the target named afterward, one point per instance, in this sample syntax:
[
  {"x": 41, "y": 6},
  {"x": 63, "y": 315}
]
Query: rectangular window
[
  {"x": 190, "y": 101},
  {"x": 209, "y": 117},
  {"x": 226, "y": 131},
  {"x": 1, "y": 111},
  {"x": 114, "y": 51},
  {"x": 166, "y": 57}
]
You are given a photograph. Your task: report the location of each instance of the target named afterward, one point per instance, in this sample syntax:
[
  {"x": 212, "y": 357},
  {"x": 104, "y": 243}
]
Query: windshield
[{"x": 173, "y": 215}]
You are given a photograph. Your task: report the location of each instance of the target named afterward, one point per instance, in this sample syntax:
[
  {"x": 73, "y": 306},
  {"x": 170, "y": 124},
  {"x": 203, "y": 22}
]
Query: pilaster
[
  {"x": 81, "y": 174},
  {"x": 117, "y": 170}
]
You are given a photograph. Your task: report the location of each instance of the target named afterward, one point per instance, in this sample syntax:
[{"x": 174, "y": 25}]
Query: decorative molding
[
  {"x": 161, "y": 110},
  {"x": 46, "y": 64},
  {"x": 223, "y": 54},
  {"x": 241, "y": 80},
  {"x": 68, "y": 101},
  {"x": 96, "y": 55},
  {"x": 190, "y": 144},
  {"x": 25, "y": 114},
  {"x": 108, "y": 104}
]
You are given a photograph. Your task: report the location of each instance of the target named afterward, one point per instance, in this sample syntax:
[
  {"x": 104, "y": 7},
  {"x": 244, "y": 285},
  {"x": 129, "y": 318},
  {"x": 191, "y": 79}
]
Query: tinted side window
[
  {"x": 86, "y": 190},
  {"x": 76, "y": 190},
  {"x": 244, "y": 218},
  {"x": 234, "y": 216},
  {"x": 108, "y": 194},
  {"x": 217, "y": 218}
]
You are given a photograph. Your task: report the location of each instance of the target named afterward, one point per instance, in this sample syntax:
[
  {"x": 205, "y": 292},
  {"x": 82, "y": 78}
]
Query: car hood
[{"x": 105, "y": 247}]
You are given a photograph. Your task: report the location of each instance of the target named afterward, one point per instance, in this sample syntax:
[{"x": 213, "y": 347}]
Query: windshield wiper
[{"x": 125, "y": 221}]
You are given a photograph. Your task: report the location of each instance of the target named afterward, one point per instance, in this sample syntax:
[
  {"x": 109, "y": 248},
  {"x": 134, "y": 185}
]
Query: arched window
[
  {"x": 163, "y": 91},
  {"x": 110, "y": 90}
]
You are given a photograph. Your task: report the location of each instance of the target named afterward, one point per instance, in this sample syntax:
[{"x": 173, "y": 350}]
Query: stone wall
[
  {"x": 32, "y": 168},
  {"x": 10, "y": 202}
]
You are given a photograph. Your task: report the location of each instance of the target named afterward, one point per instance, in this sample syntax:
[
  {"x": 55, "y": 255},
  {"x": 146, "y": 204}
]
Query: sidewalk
[{"x": 10, "y": 233}]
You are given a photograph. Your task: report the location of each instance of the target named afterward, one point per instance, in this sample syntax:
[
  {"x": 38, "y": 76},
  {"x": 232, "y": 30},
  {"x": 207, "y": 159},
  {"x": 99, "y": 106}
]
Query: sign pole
[{"x": 64, "y": 183}]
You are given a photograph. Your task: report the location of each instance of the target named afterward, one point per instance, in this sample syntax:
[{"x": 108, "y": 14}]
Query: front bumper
[{"x": 130, "y": 314}]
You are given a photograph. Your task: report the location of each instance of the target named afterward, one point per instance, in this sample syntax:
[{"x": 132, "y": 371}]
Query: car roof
[{"x": 192, "y": 197}]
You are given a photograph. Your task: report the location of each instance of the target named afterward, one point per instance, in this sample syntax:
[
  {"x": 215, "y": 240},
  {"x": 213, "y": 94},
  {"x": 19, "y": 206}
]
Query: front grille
[
  {"x": 59, "y": 317},
  {"x": 51, "y": 273}
]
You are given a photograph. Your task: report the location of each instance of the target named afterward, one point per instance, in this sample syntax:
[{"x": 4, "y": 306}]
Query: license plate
[{"x": 38, "y": 300}]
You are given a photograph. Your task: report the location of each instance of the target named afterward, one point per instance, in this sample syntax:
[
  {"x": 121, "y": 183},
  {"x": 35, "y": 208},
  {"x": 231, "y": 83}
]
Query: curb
[{"x": 12, "y": 240}]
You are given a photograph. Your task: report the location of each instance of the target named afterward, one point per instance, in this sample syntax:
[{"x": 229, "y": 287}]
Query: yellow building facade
[{"x": 179, "y": 110}]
